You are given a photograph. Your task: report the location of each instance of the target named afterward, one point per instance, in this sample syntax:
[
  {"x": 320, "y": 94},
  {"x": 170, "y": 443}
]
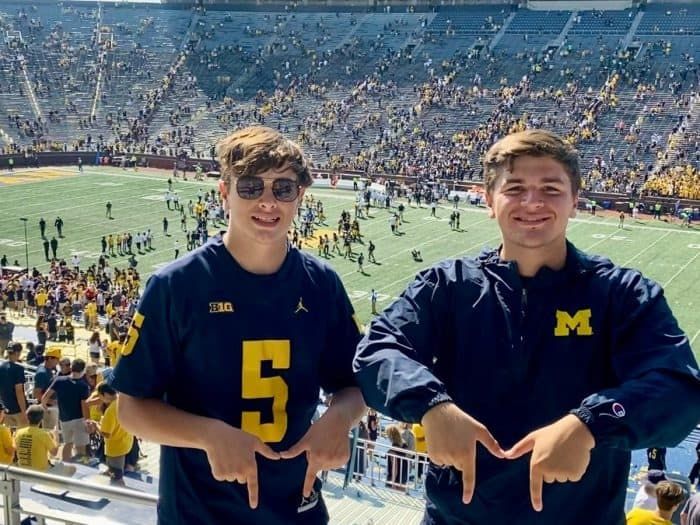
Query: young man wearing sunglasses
[{"x": 228, "y": 349}]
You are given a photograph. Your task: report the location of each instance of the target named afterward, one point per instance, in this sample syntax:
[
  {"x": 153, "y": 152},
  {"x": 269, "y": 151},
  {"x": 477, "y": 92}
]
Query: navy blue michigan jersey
[
  {"x": 518, "y": 354},
  {"x": 251, "y": 350}
]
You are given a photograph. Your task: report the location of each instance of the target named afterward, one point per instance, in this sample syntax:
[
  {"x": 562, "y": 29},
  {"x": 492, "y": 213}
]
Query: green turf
[{"x": 668, "y": 253}]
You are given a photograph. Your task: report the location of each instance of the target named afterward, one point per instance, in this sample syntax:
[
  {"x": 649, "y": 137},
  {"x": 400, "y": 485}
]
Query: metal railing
[
  {"x": 11, "y": 477},
  {"x": 373, "y": 463},
  {"x": 383, "y": 465},
  {"x": 29, "y": 373}
]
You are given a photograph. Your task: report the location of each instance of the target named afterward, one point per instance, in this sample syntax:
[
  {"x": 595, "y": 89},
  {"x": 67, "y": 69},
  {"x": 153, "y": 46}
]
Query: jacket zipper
[{"x": 523, "y": 312}]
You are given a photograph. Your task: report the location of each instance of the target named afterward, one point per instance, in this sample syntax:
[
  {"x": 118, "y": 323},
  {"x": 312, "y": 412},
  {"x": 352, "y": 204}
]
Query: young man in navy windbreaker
[{"x": 557, "y": 362}]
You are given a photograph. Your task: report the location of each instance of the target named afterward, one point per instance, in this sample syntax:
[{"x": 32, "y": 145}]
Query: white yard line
[
  {"x": 694, "y": 337},
  {"x": 681, "y": 270},
  {"x": 645, "y": 249}
]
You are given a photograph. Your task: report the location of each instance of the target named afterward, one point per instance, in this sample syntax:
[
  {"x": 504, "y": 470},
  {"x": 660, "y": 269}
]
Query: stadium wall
[
  {"x": 301, "y": 5},
  {"x": 612, "y": 201},
  {"x": 572, "y": 5}
]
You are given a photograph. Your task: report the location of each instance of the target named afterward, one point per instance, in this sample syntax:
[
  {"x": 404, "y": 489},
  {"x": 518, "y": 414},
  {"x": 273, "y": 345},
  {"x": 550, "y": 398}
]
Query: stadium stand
[{"x": 360, "y": 91}]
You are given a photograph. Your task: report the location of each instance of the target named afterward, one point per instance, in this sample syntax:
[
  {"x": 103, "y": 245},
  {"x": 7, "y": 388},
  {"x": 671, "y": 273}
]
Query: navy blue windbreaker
[{"x": 518, "y": 354}]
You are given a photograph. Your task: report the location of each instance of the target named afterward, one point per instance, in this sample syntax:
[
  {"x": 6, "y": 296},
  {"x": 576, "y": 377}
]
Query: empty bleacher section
[{"x": 396, "y": 92}]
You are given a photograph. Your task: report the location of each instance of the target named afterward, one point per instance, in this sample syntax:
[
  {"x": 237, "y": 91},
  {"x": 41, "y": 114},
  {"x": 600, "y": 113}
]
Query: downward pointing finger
[
  {"x": 252, "y": 482},
  {"x": 468, "y": 477},
  {"x": 536, "y": 481},
  {"x": 309, "y": 480}
]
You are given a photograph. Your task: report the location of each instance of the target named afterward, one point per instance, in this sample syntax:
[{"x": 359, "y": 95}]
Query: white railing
[
  {"x": 373, "y": 463},
  {"x": 382, "y": 465},
  {"x": 11, "y": 477}
]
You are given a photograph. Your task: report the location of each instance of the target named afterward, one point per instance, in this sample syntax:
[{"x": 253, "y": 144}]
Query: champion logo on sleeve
[{"x": 616, "y": 411}]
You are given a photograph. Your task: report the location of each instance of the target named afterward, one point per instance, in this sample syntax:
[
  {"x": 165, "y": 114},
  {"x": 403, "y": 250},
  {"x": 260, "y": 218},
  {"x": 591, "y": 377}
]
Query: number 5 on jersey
[
  {"x": 133, "y": 334},
  {"x": 254, "y": 386}
]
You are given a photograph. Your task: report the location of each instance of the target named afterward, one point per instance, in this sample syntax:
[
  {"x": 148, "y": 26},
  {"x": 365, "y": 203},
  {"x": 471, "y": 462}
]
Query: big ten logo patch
[{"x": 220, "y": 307}]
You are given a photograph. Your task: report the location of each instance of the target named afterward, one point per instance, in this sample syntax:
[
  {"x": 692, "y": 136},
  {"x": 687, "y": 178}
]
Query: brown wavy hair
[
  {"x": 533, "y": 143},
  {"x": 256, "y": 149}
]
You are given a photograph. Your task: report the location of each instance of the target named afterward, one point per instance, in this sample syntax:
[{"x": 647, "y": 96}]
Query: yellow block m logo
[{"x": 580, "y": 322}]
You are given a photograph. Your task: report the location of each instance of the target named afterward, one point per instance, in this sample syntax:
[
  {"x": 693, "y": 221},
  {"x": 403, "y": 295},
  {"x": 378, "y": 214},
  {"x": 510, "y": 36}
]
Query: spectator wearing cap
[
  {"x": 93, "y": 376},
  {"x": 72, "y": 393},
  {"x": 646, "y": 495},
  {"x": 7, "y": 446},
  {"x": 43, "y": 378},
  {"x": 12, "y": 387},
  {"x": 6, "y": 330}
]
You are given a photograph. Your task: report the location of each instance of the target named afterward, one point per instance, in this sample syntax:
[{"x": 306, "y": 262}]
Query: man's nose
[
  {"x": 268, "y": 197},
  {"x": 531, "y": 197}
]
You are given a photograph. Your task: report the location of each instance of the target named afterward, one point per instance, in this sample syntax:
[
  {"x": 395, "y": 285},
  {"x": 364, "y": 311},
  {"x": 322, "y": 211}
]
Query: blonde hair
[
  {"x": 256, "y": 149},
  {"x": 533, "y": 143},
  {"x": 394, "y": 435}
]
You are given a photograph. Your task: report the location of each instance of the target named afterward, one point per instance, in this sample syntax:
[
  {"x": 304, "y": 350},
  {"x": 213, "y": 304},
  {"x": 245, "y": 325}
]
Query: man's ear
[
  {"x": 223, "y": 189},
  {"x": 489, "y": 203},
  {"x": 574, "y": 209}
]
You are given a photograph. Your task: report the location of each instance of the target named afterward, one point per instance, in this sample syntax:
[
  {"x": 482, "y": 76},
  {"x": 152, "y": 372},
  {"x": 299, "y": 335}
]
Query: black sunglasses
[{"x": 251, "y": 187}]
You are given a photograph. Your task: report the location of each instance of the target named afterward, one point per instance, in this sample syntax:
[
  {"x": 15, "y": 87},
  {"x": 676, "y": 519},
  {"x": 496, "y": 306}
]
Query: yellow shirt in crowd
[
  {"x": 94, "y": 407},
  {"x": 91, "y": 310},
  {"x": 113, "y": 351},
  {"x": 6, "y": 446},
  {"x": 119, "y": 441},
  {"x": 41, "y": 299},
  {"x": 419, "y": 432},
  {"x": 33, "y": 445},
  {"x": 645, "y": 517}
]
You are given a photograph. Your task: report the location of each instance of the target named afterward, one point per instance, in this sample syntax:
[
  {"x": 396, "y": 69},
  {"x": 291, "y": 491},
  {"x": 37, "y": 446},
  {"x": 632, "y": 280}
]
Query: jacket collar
[{"x": 577, "y": 263}]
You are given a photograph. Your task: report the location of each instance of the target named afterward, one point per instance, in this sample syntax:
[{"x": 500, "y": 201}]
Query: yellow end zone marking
[
  {"x": 312, "y": 242},
  {"x": 29, "y": 176}
]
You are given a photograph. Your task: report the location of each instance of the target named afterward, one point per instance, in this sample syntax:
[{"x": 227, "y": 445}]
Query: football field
[{"x": 665, "y": 252}]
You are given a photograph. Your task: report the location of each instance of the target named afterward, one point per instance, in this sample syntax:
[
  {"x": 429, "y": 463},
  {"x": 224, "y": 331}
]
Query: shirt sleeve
[
  {"x": 58, "y": 384},
  {"x": 342, "y": 335},
  {"x": 85, "y": 393},
  {"x": 6, "y": 438},
  {"x": 42, "y": 380},
  {"x": 49, "y": 442},
  {"x": 657, "y": 402},
  {"x": 107, "y": 422},
  {"x": 146, "y": 365},
  {"x": 394, "y": 359},
  {"x": 18, "y": 375}
]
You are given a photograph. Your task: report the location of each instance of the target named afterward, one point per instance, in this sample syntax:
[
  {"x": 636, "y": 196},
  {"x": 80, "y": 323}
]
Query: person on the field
[
  {"x": 228, "y": 349},
  {"x": 534, "y": 368}
]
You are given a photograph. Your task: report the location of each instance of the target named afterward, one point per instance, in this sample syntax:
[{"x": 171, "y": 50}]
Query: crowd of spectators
[
  {"x": 61, "y": 302},
  {"x": 360, "y": 102},
  {"x": 66, "y": 297}
]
